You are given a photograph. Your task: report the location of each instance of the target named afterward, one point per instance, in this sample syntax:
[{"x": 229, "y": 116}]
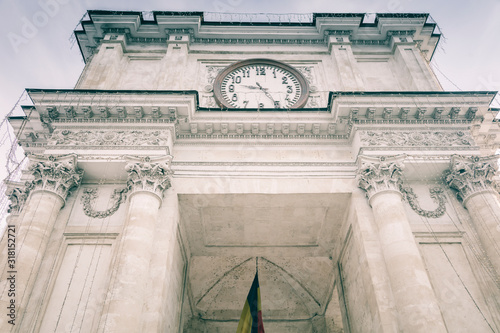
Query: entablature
[{"x": 116, "y": 121}]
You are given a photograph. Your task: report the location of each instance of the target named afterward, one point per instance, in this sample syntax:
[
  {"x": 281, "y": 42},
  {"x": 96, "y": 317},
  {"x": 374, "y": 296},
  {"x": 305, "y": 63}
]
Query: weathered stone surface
[{"x": 178, "y": 252}]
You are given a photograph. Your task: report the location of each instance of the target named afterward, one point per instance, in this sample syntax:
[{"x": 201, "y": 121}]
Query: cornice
[{"x": 188, "y": 27}]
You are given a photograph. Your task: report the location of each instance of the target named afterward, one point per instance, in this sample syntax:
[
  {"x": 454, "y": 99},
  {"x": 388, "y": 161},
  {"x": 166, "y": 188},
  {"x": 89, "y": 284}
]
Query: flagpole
[{"x": 257, "y": 265}]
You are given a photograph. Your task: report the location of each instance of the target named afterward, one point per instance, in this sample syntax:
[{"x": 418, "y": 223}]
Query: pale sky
[{"x": 36, "y": 51}]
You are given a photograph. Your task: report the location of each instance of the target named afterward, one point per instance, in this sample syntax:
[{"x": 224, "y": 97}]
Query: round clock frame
[{"x": 295, "y": 81}]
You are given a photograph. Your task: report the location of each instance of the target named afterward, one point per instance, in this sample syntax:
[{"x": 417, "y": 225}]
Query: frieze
[
  {"x": 415, "y": 139},
  {"x": 89, "y": 197},
  {"x": 109, "y": 138}
]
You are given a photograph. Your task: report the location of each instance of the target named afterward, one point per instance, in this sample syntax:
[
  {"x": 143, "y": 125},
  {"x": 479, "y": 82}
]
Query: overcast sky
[{"x": 36, "y": 48}]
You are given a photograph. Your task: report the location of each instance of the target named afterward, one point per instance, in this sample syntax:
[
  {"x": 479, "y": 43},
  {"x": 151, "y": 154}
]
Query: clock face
[{"x": 260, "y": 84}]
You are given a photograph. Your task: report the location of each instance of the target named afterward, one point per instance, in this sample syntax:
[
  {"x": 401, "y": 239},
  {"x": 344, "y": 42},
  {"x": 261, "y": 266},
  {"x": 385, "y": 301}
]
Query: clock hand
[
  {"x": 260, "y": 87},
  {"x": 265, "y": 92},
  {"x": 251, "y": 87}
]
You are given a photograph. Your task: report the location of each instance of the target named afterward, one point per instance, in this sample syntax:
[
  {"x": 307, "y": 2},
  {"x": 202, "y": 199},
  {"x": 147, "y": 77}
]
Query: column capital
[
  {"x": 149, "y": 174},
  {"x": 378, "y": 174},
  {"x": 470, "y": 175},
  {"x": 55, "y": 174},
  {"x": 18, "y": 193}
]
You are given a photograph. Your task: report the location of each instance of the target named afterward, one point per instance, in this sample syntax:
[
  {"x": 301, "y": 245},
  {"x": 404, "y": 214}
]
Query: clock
[{"x": 260, "y": 84}]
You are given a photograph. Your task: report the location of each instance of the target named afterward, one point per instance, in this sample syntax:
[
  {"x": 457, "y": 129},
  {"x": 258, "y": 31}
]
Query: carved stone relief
[
  {"x": 415, "y": 139},
  {"x": 437, "y": 194},
  {"x": 470, "y": 175},
  {"x": 380, "y": 174},
  {"x": 385, "y": 174},
  {"x": 109, "y": 138},
  {"x": 55, "y": 174},
  {"x": 314, "y": 99},
  {"x": 307, "y": 71},
  {"x": 89, "y": 197},
  {"x": 149, "y": 175},
  {"x": 18, "y": 197},
  {"x": 208, "y": 95}
]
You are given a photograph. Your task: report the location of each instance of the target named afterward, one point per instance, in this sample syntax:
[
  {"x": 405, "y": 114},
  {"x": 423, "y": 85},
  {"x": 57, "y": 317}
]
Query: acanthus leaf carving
[
  {"x": 89, "y": 196},
  {"x": 149, "y": 175},
  {"x": 471, "y": 175},
  {"x": 55, "y": 174},
  {"x": 377, "y": 174},
  {"x": 18, "y": 197}
]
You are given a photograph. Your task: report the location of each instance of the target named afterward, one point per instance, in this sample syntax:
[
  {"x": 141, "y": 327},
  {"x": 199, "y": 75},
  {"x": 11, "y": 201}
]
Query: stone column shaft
[
  {"x": 133, "y": 265},
  {"x": 484, "y": 210},
  {"x": 35, "y": 229},
  {"x": 472, "y": 178},
  {"x": 415, "y": 300},
  {"x": 147, "y": 182},
  {"x": 53, "y": 178}
]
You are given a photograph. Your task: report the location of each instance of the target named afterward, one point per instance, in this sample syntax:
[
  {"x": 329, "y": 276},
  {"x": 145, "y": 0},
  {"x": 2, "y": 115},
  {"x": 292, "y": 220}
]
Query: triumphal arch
[{"x": 193, "y": 151}]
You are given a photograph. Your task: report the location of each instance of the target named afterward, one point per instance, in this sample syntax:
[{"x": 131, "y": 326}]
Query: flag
[{"x": 251, "y": 316}]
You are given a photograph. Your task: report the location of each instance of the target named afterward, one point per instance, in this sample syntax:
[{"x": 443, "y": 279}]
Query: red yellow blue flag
[{"x": 251, "y": 316}]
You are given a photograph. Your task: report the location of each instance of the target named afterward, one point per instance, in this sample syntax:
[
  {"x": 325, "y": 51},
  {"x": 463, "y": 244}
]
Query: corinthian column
[
  {"x": 415, "y": 299},
  {"x": 472, "y": 178},
  {"x": 147, "y": 181},
  {"x": 53, "y": 178}
]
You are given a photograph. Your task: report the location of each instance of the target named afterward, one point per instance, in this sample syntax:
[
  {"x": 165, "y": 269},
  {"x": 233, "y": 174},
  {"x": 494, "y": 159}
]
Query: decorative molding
[
  {"x": 416, "y": 139},
  {"x": 110, "y": 138},
  {"x": 149, "y": 174},
  {"x": 324, "y": 41},
  {"x": 114, "y": 120},
  {"x": 273, "y": 41},
  {"x": 89, "y": 196},
  {"x": 377, "y": 174},
  {"x": 437, "y": 194},
  {"x": 471, "y": 174},
  {"x": 55, "y": 174},
  {"x": 212, "y": 72},
  {"x": 307, "y": 72}
]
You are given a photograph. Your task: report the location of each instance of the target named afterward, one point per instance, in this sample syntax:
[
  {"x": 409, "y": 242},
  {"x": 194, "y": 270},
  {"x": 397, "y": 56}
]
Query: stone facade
[{"x": 147, "y": 206}]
